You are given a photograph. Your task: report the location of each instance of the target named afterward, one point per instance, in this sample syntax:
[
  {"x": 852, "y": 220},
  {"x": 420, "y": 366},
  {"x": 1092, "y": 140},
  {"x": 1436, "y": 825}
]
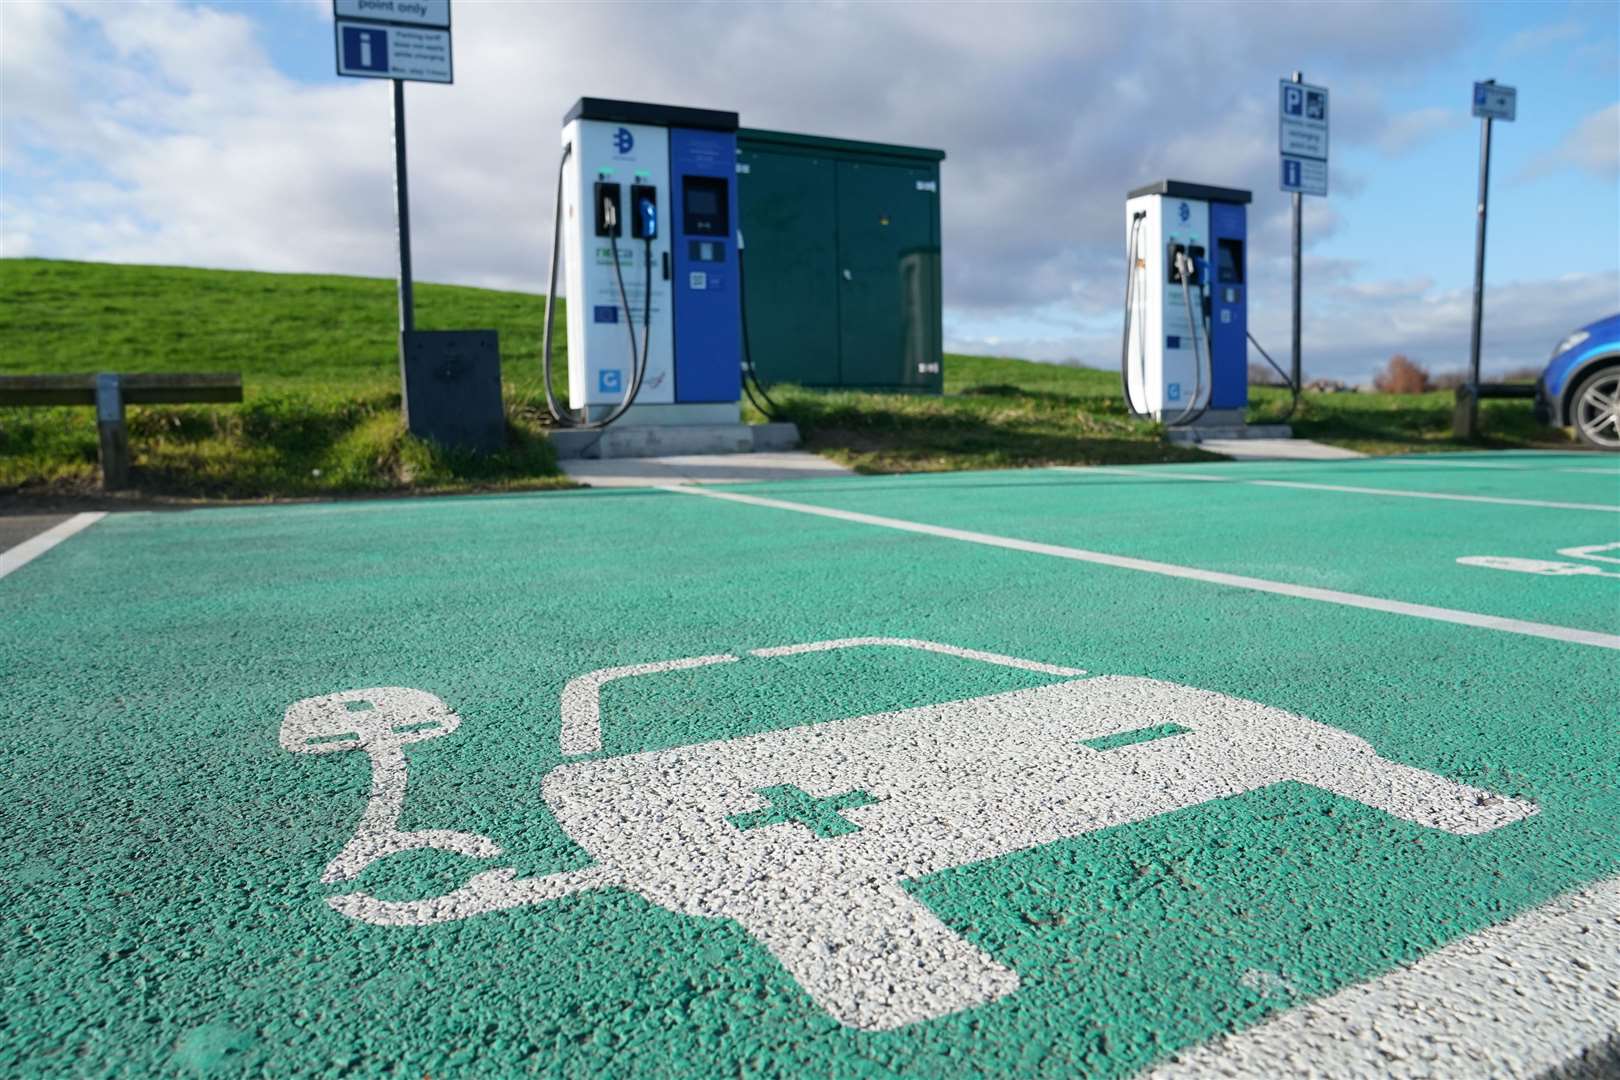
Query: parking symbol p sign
[{"x": 1293, "y": 101}]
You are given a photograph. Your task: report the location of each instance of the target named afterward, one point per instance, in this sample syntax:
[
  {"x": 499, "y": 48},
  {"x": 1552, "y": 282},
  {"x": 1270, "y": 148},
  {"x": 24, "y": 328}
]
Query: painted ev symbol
[
  {"x": 1550, "y": 568},
  {"x": 805, "y": 836}
]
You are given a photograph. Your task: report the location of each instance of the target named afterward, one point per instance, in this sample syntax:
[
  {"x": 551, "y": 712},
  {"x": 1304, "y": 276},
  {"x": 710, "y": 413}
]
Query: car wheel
[{"x": 1594, "y": 411}]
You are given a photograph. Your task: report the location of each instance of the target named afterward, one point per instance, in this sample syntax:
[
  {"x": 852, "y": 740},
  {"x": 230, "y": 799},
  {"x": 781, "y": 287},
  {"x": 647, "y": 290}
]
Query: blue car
[{"x": 1580, "y": 387}]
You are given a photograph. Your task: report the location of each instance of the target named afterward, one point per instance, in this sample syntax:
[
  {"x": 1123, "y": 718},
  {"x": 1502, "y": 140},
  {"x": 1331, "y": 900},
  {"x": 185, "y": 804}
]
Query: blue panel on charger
[
  {"x": 703, "y": 217},
  {"x": 1228, "y": 309}
]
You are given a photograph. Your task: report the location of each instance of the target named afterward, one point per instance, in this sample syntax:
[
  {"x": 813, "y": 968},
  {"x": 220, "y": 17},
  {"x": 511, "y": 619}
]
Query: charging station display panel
[
  {"x": 616, "y": 190},
  {"x": 708, "y": 312}
]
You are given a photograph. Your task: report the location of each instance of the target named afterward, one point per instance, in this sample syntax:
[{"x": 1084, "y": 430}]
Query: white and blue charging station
[
  {"x": 648, "y": 208},
  {"x": 1184, "y": 358}
]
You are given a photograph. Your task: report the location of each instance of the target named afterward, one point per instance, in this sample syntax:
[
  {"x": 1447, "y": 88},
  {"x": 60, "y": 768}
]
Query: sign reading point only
[
  {"x": 435, "y": 13},
  {"x": 394, "y": 39}
]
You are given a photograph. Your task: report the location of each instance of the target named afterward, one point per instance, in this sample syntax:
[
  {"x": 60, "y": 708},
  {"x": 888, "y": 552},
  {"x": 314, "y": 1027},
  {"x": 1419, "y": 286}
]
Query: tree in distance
[{"x": 1402, "y": 376}]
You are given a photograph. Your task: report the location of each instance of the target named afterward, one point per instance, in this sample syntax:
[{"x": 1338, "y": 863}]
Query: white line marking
[
  {"x": 925, "y": 646},
  {"x": 1516, "y": 999},
  {"x": 1495, "y": 500},
  {"x": 1191, "y": 573},
  {"x": 582, "y": 699},
  {"x": 1346, "y": 489},
  {"x": 1454, "y": 464},
  {"x": 1145, "y": 474},
  {"x": 26, "y": 552},
  {"x": 1595, "y": 472}
]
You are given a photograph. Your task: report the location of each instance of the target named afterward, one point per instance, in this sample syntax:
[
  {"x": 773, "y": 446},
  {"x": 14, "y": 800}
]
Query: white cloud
[
  {"x": 1536, "y": 38},
  {"x": 1592, "y": 145},
  {"x": 1410, "y": 130},
  {"x": 171, "y": 137},
  {"x": 1352, "y": 328}
]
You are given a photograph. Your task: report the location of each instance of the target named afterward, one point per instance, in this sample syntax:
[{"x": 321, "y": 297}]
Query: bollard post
[
  {"x": 1465, "y": 412},
  {"x": 114, "y": 434}
]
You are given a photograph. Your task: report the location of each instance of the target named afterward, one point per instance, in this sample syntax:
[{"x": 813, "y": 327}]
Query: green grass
[
  {"x": 998, "y": 413},
  {"x": 995, "y": 413},
  {"x": 321, "y": 378},
  {"x": 320, "y": 374},
  {"x": 1405, "y": 423}
]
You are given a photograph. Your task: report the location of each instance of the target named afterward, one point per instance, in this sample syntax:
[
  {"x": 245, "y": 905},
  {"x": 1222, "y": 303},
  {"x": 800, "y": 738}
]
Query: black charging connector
[{"x": 608, "y": 219}]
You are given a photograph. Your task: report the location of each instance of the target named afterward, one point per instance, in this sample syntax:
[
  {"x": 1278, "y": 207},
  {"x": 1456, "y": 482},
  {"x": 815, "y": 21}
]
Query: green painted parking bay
[
  {"x": 1229, "y": 518},
  {"x": 443, "y": 786}
]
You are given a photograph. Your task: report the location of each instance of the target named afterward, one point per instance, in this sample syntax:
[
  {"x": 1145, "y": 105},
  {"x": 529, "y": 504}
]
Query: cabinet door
[
  {"x": 789, "y": 229},
  {"x": 888, "y": 255}
]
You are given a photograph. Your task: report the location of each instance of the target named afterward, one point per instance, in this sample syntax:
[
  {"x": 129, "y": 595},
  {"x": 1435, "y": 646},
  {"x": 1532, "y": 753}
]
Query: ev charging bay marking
[
  {"x": 1282, "y": 588},
  {"x": 193, "y": 916},
  {"x": 1434, "y": 461},
  {"x": 1549, "y": 568},
  {"x": 854, "y": 808}
]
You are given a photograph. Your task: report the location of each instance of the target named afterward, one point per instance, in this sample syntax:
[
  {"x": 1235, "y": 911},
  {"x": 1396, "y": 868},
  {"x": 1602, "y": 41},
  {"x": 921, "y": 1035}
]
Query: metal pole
[
  {"x": 1299, "y": 202},
  {"x": 1479, "y": 241},
  {"x": 402, "y": 214}
]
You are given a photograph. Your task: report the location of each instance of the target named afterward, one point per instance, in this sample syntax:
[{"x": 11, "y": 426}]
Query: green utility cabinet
[{"x": 843, "y": 261}]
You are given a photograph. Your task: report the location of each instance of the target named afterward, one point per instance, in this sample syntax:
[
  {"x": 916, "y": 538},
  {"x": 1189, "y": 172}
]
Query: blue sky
[{"x": 218, "y": 134}]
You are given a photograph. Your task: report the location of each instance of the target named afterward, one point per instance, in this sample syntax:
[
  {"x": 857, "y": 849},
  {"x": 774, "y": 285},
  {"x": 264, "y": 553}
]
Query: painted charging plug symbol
[
  {"x": 806, "y": 836},
  {"x": 381, "y": 722}
]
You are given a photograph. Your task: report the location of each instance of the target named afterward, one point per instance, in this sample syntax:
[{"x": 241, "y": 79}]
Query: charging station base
[
  {"x": 1198, "y": 433},
  {"x": 664, "y": 440}
]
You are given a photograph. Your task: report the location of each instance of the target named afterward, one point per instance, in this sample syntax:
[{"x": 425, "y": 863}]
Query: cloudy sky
[{"x": 216, "y": 134}]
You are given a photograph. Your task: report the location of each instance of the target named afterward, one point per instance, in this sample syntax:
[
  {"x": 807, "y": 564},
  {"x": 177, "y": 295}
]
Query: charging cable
[{"x": 638, "y": 353}]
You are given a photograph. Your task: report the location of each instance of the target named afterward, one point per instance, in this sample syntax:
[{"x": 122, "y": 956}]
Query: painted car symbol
[{"x": 695, "y": 829}]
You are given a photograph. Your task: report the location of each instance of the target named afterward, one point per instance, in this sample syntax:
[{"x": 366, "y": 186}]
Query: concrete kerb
[{"x": 649, "y": 441}]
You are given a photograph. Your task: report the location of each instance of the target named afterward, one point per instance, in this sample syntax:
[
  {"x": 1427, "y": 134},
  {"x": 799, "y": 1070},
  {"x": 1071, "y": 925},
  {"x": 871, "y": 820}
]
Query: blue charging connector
[{"x": 644, "y": 200}]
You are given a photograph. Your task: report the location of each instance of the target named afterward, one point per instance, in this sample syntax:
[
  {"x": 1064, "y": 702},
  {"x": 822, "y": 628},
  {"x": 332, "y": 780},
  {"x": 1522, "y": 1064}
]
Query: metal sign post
[
  {"x": 402, "y": 214},
  {"x": 398, "y": 40},
  {"x": 1302, "y": 147},
  {"x": 1491, "y": 102}
]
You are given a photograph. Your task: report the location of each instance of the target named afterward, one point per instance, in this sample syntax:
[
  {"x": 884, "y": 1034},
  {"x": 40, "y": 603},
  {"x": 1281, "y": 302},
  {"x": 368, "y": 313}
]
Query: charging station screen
[{"x": 703, "y": 201}]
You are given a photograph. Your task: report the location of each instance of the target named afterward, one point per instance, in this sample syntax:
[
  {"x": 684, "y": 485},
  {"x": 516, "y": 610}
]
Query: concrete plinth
[
  {"x": 1200, "y": 433},
  {"x": 667, "y": 440}
]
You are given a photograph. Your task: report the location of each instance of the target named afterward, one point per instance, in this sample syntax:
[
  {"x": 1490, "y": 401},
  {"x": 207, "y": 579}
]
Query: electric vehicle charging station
[
  {"x": 1184, "y": 358},
  {"x": 647, "y": 198}
]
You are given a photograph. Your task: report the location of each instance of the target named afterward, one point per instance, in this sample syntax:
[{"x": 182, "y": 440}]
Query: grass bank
[
  {"x": 998, "y": 413},
  {"x": 321, "y": 415}
]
